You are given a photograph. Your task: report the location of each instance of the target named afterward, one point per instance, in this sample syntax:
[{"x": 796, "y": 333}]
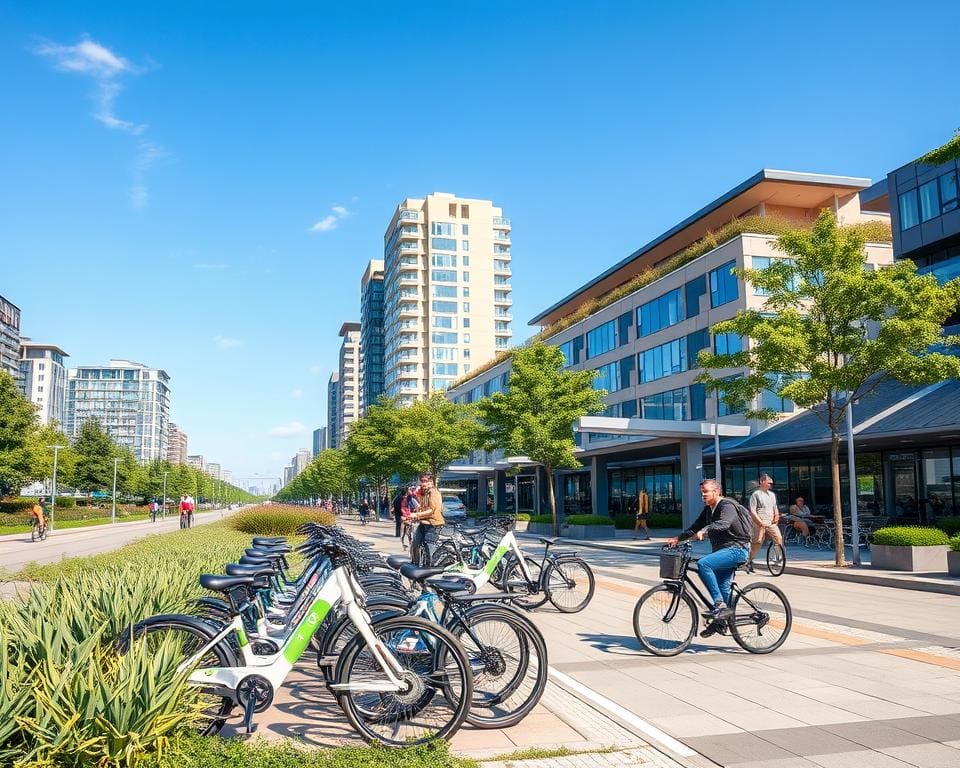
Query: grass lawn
[{"x": 61, "y": 525}]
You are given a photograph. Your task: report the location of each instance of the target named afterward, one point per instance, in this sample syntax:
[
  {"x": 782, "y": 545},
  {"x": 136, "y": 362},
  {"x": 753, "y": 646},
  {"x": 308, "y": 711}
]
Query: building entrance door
[{"x": 905, "y": 492}]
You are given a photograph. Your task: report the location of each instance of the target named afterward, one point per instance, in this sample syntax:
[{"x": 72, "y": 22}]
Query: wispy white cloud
[
  {"x": 293, "y": 429},
  {"x": 316, "y": 369},
  {"x": 296, "y": 394},
  {"x": 226, "y": 342},
  {"x": 107, "y": 70},
  {"x": 331, "y": 221}
]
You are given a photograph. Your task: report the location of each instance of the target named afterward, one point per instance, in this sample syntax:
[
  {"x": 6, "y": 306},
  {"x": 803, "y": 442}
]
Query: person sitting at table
[{"x": 800, "y": 516}]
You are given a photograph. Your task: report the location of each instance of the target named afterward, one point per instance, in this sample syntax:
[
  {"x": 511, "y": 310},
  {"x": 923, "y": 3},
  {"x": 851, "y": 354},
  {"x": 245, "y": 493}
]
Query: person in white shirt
[{"x": 766, "y": 515}]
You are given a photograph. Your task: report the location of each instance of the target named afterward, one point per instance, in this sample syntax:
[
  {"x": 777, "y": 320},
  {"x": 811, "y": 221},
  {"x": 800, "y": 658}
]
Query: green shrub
[
  {"x": 524, "y": 517},
  {"x": 278, "y": 520},
  {"x": 950, "y": 525},
  {"x": 955, "y": 544},
  {"x": 910, "y": 536},
  {"x": 16, "y": 506},
  {"x": 588, "y": 520},
  {"x": 541, "y": 519}
]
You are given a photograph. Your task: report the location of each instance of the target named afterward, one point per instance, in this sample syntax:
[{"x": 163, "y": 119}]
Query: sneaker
[
  {"x": 712, "y": 628},
  {"x": 719, "y": 611}
]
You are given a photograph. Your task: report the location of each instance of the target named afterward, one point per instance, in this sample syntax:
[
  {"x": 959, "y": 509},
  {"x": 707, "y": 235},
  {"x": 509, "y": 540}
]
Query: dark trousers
[
  {"x": 399, "y": 519},
  {"x": 426, "y": 539}
]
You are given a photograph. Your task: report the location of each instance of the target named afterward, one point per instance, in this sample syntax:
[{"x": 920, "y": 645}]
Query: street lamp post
[
  {"x": 852, "y": 474},
  {"x": 113, "y": 517},
  {"x": 53, "y": 498}
]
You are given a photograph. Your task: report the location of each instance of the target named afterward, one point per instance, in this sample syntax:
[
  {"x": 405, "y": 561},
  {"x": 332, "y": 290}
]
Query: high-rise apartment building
[
  {"x": 301, "y": 461},
  {"x": 447, "y": 292},
  {"x": 348, "y": 409},
  {"x": 320, "y": 440},
  {"x": 10, "y": 338},
  {"x": 176, "y": 445},
  {"x": 333, "y": 409},
  {"x": 195, "y": 461},
  {"x": 131, "y": 401},
  {"x": 212, "y": 468},
  {"x": 43, "y": 379},
  {"x": 227, "y": 476},
  {"x": 371, "y": 335}
]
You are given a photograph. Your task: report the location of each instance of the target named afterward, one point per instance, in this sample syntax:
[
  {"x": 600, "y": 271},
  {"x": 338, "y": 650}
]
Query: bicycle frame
[
  {"x": 341, "y": 588},
  {"x": 481, "y": 576}
]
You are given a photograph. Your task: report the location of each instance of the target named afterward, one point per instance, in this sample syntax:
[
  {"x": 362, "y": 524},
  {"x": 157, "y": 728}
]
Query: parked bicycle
[{"x": 666, "y": 617}]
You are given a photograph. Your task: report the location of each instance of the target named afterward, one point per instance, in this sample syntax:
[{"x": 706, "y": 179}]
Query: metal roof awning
[{"x": 658, "y": 428}]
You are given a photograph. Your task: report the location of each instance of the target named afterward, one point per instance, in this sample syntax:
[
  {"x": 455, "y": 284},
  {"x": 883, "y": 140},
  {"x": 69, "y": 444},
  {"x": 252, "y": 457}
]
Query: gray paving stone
[
  {"x": 735, "y": 748},
  {"x": 874, "y": 735},
  {"x": 933, "y": 728},
  {"x": 862, "y": 759},
  {"x": 809, "y": 741},
  {"x": 926, "y": 755}
]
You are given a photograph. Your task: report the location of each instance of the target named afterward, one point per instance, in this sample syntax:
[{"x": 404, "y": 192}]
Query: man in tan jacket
[{"x": 430, "y": 519}]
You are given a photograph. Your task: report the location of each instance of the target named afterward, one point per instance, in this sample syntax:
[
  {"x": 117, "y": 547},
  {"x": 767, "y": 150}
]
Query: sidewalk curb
[{"x": 846, "y": 574}]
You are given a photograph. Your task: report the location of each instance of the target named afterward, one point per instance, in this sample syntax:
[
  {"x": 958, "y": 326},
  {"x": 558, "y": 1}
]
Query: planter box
[
  {"x": 953, "y": 563},
  {"x": 541, "y": 529},
  {"x": 588, "y": 531},
  {"x": 521, "y": 525},
  {"x": 909, "y": 558}
]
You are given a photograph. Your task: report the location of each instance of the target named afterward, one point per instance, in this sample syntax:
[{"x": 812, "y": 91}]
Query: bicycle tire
[
  {"x": 34, "y": 532},
  {"x": 220, "y": 655},
  {"x": 569, "y": 569},
  {"x": 443, "y": 665},
  {"x": 335, "y": 639},
  {"x": 776, "y": 558},
  {"x": 515, "y": 583},
  {"x": 662, "y": 601},
  {"x": 766, "y": 599},
  {"x": 509, "y": 670}
]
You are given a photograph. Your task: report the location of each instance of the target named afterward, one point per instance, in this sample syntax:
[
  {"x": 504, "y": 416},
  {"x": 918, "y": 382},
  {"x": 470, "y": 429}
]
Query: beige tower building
[
  {"x": 348, "y": 409},
  {"x": 447, "y": 292}
]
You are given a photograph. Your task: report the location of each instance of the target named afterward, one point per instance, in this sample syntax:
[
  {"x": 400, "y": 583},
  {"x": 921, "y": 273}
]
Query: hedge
[
  {"x": 541, "y": 518},
  {"x": 278, "y": 520},
  {"x": 951, "y": 525},
  {"x": 588, "y": 520},
  {"x": 955, "y": 544},
  {"x": 910, "y": 536}
]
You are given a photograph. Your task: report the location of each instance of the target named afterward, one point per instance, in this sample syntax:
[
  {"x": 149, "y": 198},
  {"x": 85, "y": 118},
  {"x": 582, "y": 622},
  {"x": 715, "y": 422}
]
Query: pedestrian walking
[
  {"x": 398, "y": 510},
  {"x": 765, "y": 514},
  {"x": 364, "y": 510},
  {"x": 641, "y": 510},
  {"x": 429, "y": 515},
  {"x": 154, "y": 508}
]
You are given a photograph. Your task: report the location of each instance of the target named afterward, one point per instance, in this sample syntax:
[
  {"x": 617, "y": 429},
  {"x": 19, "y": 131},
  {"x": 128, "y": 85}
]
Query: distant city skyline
[{"x": 202, "y": 191}]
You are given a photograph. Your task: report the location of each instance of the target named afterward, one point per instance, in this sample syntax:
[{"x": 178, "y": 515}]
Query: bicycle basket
[{"x": 670, "y": 565}]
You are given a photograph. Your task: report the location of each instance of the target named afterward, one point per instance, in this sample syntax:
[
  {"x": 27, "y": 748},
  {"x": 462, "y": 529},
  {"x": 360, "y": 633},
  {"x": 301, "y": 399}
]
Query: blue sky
[{"x": 161, "y": 168}]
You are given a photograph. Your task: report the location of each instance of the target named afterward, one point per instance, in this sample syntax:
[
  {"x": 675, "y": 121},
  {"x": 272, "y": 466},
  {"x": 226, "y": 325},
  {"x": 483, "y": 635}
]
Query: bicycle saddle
[
  {"x": 415, "y": 573},
  {"x": 218, "y": 583},
  {"x": 452, "y": 586},
  {"x": 241, "y": 569},
  {"x": 395, "y": 561},
  {"x": 268, "y": 541},
  {"x": 551, "y": 540},
  {"x": 472, "y": 531}
]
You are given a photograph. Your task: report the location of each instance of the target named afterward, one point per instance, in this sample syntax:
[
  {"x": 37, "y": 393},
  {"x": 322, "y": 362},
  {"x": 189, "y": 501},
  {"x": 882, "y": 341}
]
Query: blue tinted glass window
[
  {"x": 443, "y": 243},
  {"x": 695, "y": 342},
  {"x": 929, "y": 200},
  {"x": 608, "y": 377},
  {"x": 602, "y": 339},
  {"x": 727, "y": 343},
  {"x": 623, "y": 328},
  {"x": 663, "y": 360},
  {"x": 698, "y": 402},
  {"x": 723, "y": 285},
  {"x": 909, "y": 213},
  {"x": 670, "y": 405},
  {"x": 692, "y": 293},
  {"x": 444, "y": 291},
  {"x": 948, "y": 191},
  {"x": 443, "y": 275},
  {"x": 660, "y": 313},
  {"x": 628, "y": 409},
  {"x": 443, "y": 306}
]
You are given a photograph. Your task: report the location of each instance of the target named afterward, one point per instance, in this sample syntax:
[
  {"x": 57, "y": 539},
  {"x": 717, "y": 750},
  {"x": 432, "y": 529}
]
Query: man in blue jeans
[{"x": 729, "y": 531}]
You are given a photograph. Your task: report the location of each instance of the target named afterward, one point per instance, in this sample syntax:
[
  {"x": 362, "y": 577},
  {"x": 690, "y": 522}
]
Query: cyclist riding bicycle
[
  {"x": 729, "y": 531},
  {"x": 37, "y": 514}
]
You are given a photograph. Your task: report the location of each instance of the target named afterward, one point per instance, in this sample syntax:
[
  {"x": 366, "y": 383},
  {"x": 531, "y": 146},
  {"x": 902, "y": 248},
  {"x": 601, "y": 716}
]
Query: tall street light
[
  {"x": 113, "y": 517},
  {"x": 53, "y": 498}
]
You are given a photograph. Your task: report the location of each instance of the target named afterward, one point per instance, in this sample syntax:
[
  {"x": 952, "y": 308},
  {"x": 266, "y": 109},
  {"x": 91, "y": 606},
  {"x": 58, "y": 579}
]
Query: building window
[
  {"x": 572, "y": 350},
  {"x": 466, "y": 261},
  {"x": 670, "y": 405},
  {"x": 628, "y": 409},
  {"x": 443, "y": 243},
  {"x": 452, "y": 209},
  {"x": 698, "y": 402},
  {"x": 660, "y": 313},
  {"x": 442, "y": 260},
  {"x": 464, "y": 211},
  {"x": 948, "y": 192},
  {"x": 466, "y": 338},
  {"x": 929, "y": 200},
  {"x": 443, "y": 353},
  {"x": 723, "y": 285},
  {"x": 444, "y": 291},
  {"x": 663, "y": 360},
  {"x": 466, "y": 322},
  {"x": 608, "y": 377},
  {"x": 692, "y": 292},
  {"x": 602, "y": 339},
  {"x": 464, "y": 229},
  {"x": 909, "y": 215},
  {"x": 465, "y": 245},
  {"x": 466, "y": 290},
  {"x": 501, "y": 342},
  {"x": 443, "y": 338},
  {"x": 466, "y": 306},
  {"x": 444, "y": 306},
  {"x": 466, "y": 277},
  {"x": 443, "y": 276},
  {"x": 727, "y": 343},
  {"x": 441, "y": 228},
  {"x": 695, "y": 342},
  {"x": 444, "y": 369},
  {"x": 623, "y": 328}
]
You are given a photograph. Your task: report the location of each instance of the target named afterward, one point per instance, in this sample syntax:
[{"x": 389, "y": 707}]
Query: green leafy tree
[
  {"x": 41, "y": 454},
  {"x": 18, "y": 418},
  {"x": 946, "y": 153},
  {"x": 434, "y": 432},
  {"x": 95, "y": 450},
  {"x": 810, "y": 341},
  {"x": 535, "y": 416},
  {"x": 373, "y": 449},
  {"x": 133, "y": 478}
]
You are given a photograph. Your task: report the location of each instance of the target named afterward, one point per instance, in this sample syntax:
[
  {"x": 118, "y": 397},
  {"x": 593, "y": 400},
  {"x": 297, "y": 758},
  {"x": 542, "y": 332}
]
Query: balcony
[
  {"x": 502, "y": 268},
  {"x": 504, "y": 300},
  {"x": 407, "y": 214},
  {"x": 503, "y": 332},
  {"x": 506, "y": 314},
  {"x": 501, "y": 237},
  {"x": 503, "y": 283},
  {"x": 501, "y": 222},
  {"x": 412, "y": 232},
  {"x": 408, "y": 246}
]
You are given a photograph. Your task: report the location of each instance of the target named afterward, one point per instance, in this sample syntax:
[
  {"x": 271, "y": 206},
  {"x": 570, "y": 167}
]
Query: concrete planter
[
  {"x": 920, "y": 559},
  {"x": 953, "y": 563},
  {"x": 540, "y": 529},
  {"x": 588, "y": 531},
  {"x": 521, "y": 525}
]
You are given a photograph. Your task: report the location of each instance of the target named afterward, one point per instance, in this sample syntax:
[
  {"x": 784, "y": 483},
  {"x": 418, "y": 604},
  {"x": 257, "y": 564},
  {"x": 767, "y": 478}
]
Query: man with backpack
[{"x": 727, "y": 524}]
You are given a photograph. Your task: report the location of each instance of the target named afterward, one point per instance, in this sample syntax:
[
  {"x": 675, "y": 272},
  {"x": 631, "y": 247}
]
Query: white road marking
[{"x": 626, "y": 715}]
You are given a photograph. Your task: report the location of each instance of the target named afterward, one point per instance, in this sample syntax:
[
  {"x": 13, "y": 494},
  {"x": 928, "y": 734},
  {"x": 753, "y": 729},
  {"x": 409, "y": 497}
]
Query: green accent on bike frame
[
  {"x": 305, "y": 630},
  {"x": 242, "y": 637},
  {"x": 491, "y": 565}
]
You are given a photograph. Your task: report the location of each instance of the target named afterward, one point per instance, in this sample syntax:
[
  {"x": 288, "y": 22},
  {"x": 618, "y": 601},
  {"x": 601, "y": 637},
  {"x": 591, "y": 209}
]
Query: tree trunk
[
  {"x": 552, "y": 499},
  {"x": 837, "y": 508}
]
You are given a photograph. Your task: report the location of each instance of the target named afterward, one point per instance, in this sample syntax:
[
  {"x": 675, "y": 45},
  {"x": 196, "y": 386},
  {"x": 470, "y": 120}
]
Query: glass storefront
[{"x": 661, "y": 482}]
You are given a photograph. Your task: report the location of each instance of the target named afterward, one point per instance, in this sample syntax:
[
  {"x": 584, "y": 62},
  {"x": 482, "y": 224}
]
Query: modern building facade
[
  {"x": 10, "y": 338},
  {"x": 371, "y": 335},
  {"x": 320, "y": 440},
  {"x": 196, "y": 461},
  {"x": 644, "y": 345},
  {"x": 176, "y": 445},
  {"x": 333, "y": 409},
  {"x": 130, "y": 400},
  {"x": 301, "y": 461},
  {"x": 447, "y": 292},
  {"x": 43, "y": 380},
  {"x": 348, "y": 407},
  {"x": 212, "y": 468},
  {"x": 925, "y": 218}
]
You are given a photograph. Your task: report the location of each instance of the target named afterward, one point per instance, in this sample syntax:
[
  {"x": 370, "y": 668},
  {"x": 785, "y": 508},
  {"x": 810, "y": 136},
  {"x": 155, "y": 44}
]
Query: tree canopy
[{"x": 18, "y": 419}]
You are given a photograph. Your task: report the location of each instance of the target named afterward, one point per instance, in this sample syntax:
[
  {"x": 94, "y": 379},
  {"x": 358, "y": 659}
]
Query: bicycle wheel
[
  {"x": 35, "y": 532},
  {"x": 664, "y": 620},
  {"x": 776, "y": 558},
  {"x": 516, "y": 583},
  {"x": 508, "y": 658},
  {"x": 212, "y": 709},
  {"x": 761, "y": 618},
  {"x": 436, "y": 672},
  {"x": 570, "y": 585}
]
